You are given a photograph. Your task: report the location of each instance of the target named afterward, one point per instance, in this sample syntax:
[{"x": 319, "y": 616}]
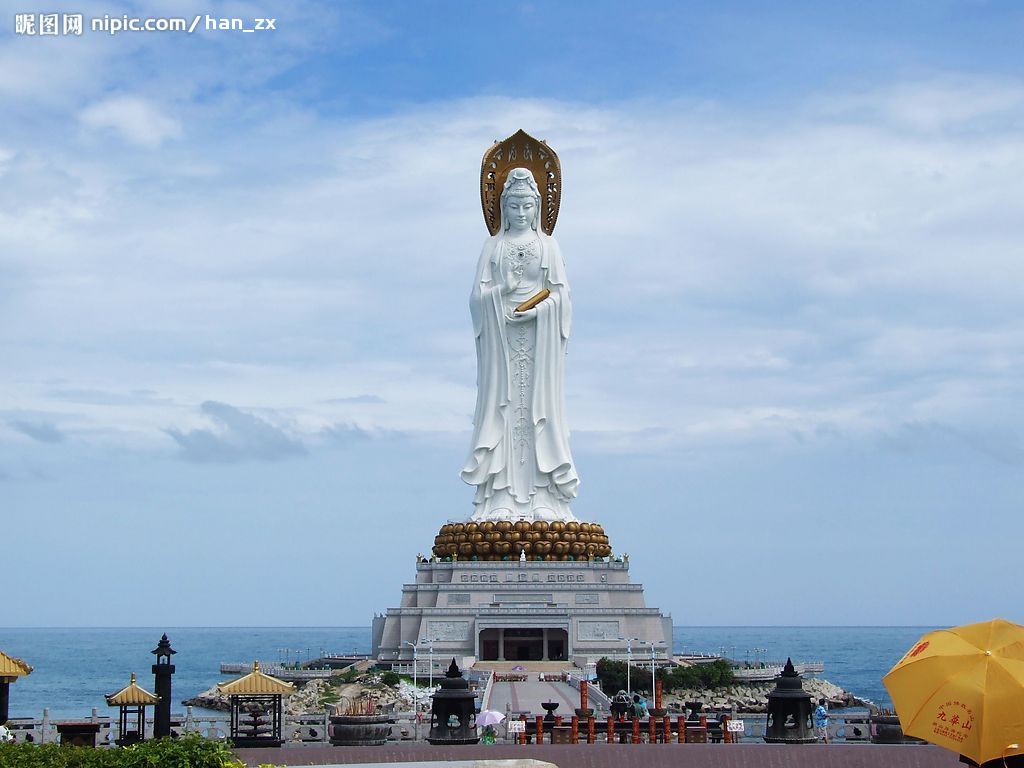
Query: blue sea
[{"x": 75, "y": 667}]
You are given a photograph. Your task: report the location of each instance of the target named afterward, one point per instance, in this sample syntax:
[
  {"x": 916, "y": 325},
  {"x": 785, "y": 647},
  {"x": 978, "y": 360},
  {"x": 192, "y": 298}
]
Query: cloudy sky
[{"x": 236, "y": 363}]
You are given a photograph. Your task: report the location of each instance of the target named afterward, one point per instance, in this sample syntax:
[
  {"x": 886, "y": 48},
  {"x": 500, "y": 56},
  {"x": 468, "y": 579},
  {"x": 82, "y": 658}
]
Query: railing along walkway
[{"x": 313, "y": 728}]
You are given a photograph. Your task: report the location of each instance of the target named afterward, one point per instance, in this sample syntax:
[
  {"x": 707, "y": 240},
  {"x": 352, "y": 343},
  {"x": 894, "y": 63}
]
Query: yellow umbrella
[{"x": 963, "y": 689}]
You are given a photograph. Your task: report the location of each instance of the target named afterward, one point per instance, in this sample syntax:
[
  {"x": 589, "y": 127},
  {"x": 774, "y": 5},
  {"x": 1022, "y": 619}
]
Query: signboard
[
  {"x": 516, "y": 726},
  {"x": 735, "y": 726}
]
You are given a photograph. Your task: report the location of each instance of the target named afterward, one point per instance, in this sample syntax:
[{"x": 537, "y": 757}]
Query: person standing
[{"x": 821, "y": 721}]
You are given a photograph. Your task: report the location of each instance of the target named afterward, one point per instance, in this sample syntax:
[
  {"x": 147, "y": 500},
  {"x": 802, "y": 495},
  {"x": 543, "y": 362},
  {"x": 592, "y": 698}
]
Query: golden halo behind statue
[{"x": 520, "y": 150}]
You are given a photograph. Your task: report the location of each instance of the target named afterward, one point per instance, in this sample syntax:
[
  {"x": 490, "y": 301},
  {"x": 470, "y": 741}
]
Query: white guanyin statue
[{"x": 519, "y": 458}]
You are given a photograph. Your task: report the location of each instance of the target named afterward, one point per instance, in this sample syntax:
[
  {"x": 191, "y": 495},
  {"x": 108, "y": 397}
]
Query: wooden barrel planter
[{"x": 359, "y": 730}]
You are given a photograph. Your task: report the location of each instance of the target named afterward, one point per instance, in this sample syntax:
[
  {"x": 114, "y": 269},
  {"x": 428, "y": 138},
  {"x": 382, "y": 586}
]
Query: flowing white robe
[{"x": 519, "y": 457}]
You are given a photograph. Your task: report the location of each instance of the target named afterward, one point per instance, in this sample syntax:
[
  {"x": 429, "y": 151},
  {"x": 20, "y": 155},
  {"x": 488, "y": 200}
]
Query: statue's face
[{"x": 520, "y": 213}]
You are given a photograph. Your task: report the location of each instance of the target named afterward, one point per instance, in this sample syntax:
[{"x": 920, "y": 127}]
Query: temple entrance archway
[{"x": 524, "y": 644}]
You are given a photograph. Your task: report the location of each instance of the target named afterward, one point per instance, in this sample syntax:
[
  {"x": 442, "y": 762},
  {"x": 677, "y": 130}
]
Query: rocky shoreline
[
  {"x": 357, "y": 693},
  {"x": 753, "y": 697},
  {"x": 308, "y": 698}
]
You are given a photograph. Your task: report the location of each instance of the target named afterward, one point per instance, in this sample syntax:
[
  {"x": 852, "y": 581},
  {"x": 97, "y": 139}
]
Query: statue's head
[{"x": 520, "y": 201}]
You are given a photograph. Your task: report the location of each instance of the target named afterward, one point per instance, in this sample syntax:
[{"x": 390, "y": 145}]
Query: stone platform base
[{"x": 478, "y": 611}]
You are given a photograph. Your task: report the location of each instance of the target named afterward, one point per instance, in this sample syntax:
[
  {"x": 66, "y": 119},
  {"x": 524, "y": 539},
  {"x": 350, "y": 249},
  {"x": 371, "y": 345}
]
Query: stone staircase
[{"x": 527, "y": 666}]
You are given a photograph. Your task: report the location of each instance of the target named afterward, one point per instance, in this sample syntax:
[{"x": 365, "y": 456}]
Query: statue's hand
[{"x": 518, "y": 318}]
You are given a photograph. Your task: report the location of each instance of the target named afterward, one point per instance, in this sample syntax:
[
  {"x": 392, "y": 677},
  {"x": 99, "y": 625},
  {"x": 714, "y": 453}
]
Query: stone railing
[
  {"x": 312, "y": 728},
  {"x": 841, "y": 728},
  {"x": 597, "y": 698},
  {"x": 771, "y": 670},
  {"x": 279, "y": 671},
  {"x": 485, "y": 697}
]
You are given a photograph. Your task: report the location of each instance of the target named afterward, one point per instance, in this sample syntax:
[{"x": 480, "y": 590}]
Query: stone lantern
[
  {"x": 162, "y": 671},
  {"x": 453, "y": 713},
  {"x": 790, "y": 708}
]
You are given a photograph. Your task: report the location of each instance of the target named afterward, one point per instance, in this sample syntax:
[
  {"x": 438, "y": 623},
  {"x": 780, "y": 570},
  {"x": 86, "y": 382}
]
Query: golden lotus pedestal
[{"x": 506, "y": 540}]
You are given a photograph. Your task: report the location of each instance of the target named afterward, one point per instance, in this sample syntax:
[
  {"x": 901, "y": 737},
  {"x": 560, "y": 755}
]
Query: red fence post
[
  {"x": 591, "y": 728},
  {"x": 611, "y": 729},
  {"x": 681, "y": 726},
  {"x": 522, "y": 734},
  {"x": 651, "y": 732},
  {"x": 575, "y": 722},
  {"x": 583, "y": 694},
  {"x": 540, "y": 729},
  {"x": 636, "y": 730},
  {"x": 657, "y": 694},
  {"x": 666, "y": 724}
]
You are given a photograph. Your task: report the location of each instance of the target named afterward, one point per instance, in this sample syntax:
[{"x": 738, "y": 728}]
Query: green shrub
[
  {"x": 186, "y": 752},
  {"x": 391, "y": 678},
  {"x": 717, "y": 674},
  {"x": 348, "y": 675},
  {"x": 612, "y": 676},
  {"x": 699, "y": 676}
]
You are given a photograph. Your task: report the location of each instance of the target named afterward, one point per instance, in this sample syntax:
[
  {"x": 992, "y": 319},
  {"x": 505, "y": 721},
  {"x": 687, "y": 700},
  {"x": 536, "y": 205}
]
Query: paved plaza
[
  {"x": 527, "y": 696},
  {"x": 623, "y": 755}
]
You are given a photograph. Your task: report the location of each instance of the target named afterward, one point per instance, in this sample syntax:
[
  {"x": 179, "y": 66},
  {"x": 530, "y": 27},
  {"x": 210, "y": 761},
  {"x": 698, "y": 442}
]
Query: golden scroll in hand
[{"x": 533, "y": 301}]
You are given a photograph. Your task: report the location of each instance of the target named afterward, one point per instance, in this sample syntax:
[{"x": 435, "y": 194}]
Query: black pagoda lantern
[
  {"x": 162, "y": 671},
  {"x": 789, "y": 710},
  {"x": 453, "y": 712}
]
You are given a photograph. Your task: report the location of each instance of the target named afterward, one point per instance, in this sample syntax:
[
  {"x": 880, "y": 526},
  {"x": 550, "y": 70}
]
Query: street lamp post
[
  {"x": 653, "y": 675},
  {"x": 653, "y": 682},
  {"x": 430, "y": 650},
  {"x": 415, "y": 692},
  {"x": 629, "y": 657},
  {"x": 415, "y": 666},
  {"x": 629, "y": 661}
]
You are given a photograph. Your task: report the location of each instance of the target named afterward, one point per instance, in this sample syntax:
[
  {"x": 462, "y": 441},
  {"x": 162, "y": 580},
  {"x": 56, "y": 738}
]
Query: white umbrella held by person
[{"x": 489, "y": 717}]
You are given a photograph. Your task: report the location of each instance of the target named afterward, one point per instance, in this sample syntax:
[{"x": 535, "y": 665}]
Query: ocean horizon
[{"x": 75, "y": 666}]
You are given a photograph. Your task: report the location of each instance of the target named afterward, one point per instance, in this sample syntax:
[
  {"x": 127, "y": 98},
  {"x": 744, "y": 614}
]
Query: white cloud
[
  {"x": 41, "y": 431},
  {"x": 237, "y": 435},
  {"x": 734, "y": 275},
  {"x": 136, "y": 119},
  {"x": 944, "y": 103}
]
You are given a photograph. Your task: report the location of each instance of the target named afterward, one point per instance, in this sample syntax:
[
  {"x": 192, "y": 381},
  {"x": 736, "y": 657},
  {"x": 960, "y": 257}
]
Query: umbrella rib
[
  {"x": 924, "y": 702},
  {"x": 981, "y": 715}
]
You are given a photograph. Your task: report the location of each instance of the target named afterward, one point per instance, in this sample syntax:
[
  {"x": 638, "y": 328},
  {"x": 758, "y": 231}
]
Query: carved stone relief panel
[
  {"x": 448, "y": 630},
  {"x": 598, "y": 630}
]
